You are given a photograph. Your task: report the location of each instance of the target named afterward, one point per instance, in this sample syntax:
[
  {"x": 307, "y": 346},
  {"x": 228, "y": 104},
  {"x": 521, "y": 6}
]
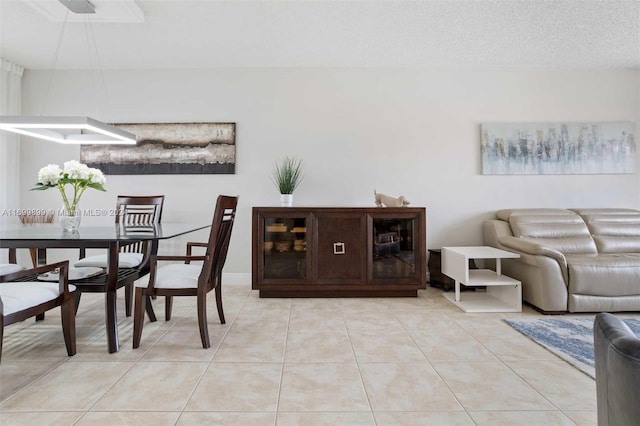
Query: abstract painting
[
  {"x": 558, "y": 148},
  {"x": 168, "y": 148}
]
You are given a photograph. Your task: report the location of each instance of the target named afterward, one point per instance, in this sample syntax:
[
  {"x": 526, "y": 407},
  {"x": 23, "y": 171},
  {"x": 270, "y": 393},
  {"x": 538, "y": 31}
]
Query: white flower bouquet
[{"x": 74, "y": 173}]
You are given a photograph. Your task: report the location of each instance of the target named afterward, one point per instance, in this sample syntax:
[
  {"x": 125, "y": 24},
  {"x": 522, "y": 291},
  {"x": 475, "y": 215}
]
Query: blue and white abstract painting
[{"x": 558, "y": 148}]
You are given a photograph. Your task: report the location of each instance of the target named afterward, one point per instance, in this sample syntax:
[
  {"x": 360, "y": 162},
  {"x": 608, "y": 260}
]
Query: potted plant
[
  {"x": 80, "y": 177},
  {"x": 287, "y": 176}
]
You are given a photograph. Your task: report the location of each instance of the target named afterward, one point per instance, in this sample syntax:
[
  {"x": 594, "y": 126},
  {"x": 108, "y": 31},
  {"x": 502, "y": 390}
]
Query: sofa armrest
[
  {"x": 493, "y": 230},
  {"x": 531, "y": 247}
]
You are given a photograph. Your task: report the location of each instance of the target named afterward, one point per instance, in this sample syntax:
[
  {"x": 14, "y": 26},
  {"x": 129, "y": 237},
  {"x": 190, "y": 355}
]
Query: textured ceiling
[{"x": 539, "y": 34}]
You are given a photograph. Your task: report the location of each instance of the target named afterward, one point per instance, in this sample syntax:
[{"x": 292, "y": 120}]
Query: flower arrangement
[
  {"x": 287, "y": 175},
  {"x": 74, "y": 173}
]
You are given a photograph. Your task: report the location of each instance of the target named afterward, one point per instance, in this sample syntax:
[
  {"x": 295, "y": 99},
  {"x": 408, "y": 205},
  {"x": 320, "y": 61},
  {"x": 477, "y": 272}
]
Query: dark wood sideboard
[{"x": 338, "y": 251}]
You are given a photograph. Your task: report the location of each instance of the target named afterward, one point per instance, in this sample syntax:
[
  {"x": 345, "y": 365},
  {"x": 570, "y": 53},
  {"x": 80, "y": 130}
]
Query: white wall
[{"x": 409, "y": 132}]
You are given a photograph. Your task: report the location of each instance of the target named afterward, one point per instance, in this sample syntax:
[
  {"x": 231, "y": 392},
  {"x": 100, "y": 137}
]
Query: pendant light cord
[
  {"x": 54, "y": 63},
  {"x": 91, "y": 41}
]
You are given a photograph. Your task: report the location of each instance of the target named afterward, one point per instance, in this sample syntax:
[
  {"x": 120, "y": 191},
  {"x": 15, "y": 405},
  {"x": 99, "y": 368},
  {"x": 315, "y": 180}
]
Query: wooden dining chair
[
  {"x": 9, "y": 268},
  {"x": 29, "y": 218},
  {"x": 186, "y": 279},
  {"x": 132, "y": 211},
  {"x": 22, "y": 297}
]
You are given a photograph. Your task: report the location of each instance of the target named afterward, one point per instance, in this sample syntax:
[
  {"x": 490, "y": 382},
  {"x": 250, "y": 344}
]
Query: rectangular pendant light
[
  {"x": 79, "y": 6},
  {"x": 67, "y": 130}
]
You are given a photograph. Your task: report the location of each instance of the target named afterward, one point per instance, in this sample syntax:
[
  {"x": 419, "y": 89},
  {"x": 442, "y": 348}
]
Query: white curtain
[{"x": 10, "y": 104}]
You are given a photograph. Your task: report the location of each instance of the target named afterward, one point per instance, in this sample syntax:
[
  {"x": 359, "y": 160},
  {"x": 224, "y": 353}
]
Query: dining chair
[
  {"x": 22, "y": 297},
  {"x": 132, "y": 211},
  {"x": 9, "y": 268},
  {"x": 186, "y": 279},
  {"x": 26, "y": 219}
]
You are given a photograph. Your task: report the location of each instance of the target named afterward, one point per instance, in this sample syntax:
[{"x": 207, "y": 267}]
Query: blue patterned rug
[{"x": 569, "y": 338}]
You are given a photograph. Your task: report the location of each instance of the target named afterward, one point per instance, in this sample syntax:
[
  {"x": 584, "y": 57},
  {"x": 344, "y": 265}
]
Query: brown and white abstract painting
[{"x": 168, "y": 148}]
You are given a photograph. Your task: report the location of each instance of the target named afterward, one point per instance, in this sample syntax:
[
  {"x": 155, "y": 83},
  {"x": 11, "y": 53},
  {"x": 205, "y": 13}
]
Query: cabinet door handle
[{"x": 338, "y": 248}]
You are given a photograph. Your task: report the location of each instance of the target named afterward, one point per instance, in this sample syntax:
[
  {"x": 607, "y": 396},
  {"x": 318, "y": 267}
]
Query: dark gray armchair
[{"x": 617, "y": 359}]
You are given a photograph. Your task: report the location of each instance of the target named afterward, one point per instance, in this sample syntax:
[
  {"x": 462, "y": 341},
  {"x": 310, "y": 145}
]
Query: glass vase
[{"x": 70, "y": 220}]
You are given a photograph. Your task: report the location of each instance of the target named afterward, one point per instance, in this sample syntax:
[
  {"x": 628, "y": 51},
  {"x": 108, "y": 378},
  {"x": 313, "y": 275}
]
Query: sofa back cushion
[
  {"x": 566, "y": 233},
  {"x": 505, "y": 214},
  {"x": 614, "y": 230}
]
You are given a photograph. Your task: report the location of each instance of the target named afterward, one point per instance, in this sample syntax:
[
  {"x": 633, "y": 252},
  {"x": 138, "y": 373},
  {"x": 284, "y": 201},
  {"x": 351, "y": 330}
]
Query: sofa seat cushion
[{"x": 604, "y": 274}]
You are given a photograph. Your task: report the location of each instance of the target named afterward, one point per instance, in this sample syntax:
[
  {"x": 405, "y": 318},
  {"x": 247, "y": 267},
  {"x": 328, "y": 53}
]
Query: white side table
[{"x": 504, "y": 294}]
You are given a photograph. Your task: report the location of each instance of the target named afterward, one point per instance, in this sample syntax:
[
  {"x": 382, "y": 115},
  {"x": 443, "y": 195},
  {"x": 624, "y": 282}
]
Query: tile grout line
[{"x": 364, "y": 387}]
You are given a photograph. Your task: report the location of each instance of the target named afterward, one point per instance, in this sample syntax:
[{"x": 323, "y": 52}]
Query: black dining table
[{"x": 112, "y": 237}]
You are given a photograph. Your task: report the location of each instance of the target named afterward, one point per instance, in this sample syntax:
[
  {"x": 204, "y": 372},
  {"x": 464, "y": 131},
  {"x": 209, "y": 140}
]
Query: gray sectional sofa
[{"x": 575, "y": 260}]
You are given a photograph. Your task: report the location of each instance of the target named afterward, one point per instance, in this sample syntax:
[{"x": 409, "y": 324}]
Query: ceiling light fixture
[
  {"x": 68, "y": 130},
  {"x": 79, "y": 6}
]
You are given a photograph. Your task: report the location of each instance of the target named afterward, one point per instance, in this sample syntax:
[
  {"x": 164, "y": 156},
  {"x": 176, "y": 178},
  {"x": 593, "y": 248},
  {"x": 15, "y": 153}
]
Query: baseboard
[{"x": 233, "y": 278}]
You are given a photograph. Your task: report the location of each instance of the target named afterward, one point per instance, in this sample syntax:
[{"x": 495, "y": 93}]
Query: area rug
[{"x": 569, "y": 338}]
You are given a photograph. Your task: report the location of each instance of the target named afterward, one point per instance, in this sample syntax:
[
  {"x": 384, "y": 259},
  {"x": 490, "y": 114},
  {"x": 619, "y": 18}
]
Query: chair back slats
[
  {"x": 139, "y": 210},
  {"x": 133, "y": 211},
  {"x": 219, "y": 237},
  {"x": 37, "y": 218},
  {"x": 31, "y": 218}
]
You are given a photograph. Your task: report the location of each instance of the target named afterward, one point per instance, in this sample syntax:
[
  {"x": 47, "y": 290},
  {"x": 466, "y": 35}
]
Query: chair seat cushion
[
  {"x": 175, "y": 275},
  {"x": 19, "y": 296},
  {"x": 125, "y": 260},
  {"x": 74, "y": 274},
  {"x": 9, "y": 268}
]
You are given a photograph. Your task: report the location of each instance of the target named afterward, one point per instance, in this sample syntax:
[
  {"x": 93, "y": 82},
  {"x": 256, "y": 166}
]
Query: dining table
[{"x": 43, "y": 236}]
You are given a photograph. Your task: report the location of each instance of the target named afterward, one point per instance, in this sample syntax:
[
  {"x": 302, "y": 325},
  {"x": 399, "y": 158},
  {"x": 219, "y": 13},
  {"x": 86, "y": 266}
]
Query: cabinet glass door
[
  {"x": 393, "y": 248},
  {"x": 285, "y": 248}
]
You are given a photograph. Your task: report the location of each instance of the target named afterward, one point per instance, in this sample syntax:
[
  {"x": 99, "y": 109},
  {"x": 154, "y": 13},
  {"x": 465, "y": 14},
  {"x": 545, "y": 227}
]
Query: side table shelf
[{"x": 503, "y": 294}]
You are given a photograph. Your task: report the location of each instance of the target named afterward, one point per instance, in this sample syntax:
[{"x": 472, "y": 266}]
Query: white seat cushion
[
  {"x": 9, "y": 268},
  {"x": 74, "y": 274},
  {"x": 175, "y": 275},
  {"x": 20, "y": 296},
  {"x": 125, "y": 260}
]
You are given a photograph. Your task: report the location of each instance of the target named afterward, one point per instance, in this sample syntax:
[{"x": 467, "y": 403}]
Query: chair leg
[
  {"x": 77, "y": 299},
  {"x": 168, "y": 306},
  {"x": 149, "y": 307},
  {"x": 1, "y": 334},
  {"x": 219, "y": 302},
  {"x": 138, "y": 316},
  {"x": 202, "y": 320},
  {"x": 12, "y": 256},
  {"x": 40, "y": 317},
  {"x": 33, "y": 252},
  {"x": 128, "y": 299},
  {"x": 68, "y": 314}
]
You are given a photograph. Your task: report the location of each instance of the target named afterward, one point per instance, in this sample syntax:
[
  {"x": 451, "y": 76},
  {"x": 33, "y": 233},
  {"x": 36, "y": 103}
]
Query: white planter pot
[{"x": 286, "y": 200}]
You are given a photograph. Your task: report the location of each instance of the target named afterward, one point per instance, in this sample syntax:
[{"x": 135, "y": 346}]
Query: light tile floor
[{"x": 386, "y": 361}]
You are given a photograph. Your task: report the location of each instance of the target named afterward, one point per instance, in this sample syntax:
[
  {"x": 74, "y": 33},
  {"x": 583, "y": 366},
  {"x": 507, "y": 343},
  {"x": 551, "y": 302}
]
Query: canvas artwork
[
  {"x": 558, "y": 148},
  {"x": 168, "y": 148}
]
